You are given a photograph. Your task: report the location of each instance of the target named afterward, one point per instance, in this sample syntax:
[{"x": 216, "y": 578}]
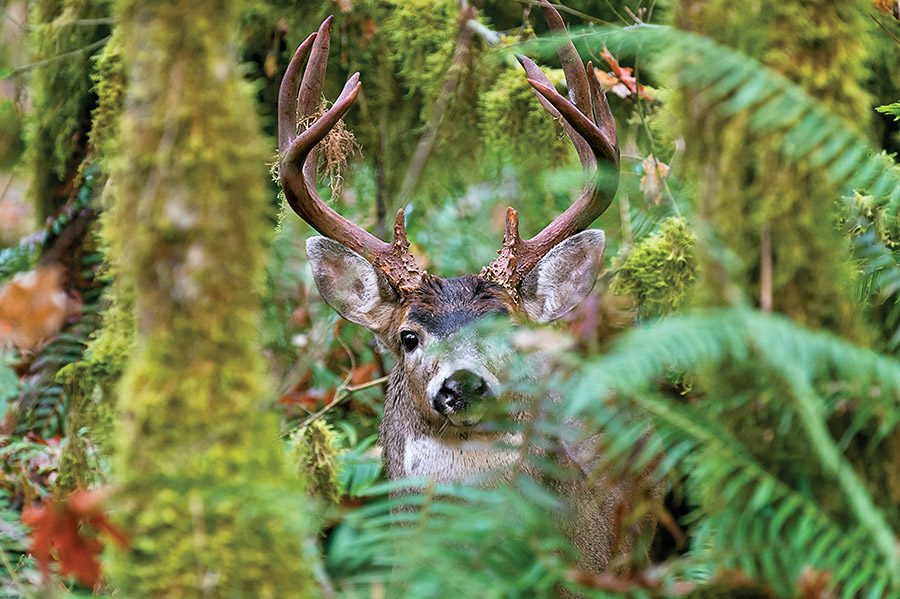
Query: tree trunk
[{"x": 204, "y": 494}]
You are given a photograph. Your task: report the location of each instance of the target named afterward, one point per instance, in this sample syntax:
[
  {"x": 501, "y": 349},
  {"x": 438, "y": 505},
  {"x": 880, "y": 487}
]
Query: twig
[
  {"x": 625, "y": 218},
  {"x": 14, "y": 576},
  {"x": 765, "y": 269},
  {"x": 52, "y": 59},
  {"x": 886, "y": 30},
  {"x": 343, "y": 392},
  {"x": 581, "y": 15},
  {"x": 646, "y": 127}
]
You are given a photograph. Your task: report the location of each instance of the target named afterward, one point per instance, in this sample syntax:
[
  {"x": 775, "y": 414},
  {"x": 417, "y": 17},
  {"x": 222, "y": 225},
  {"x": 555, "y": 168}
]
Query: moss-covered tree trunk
[
  {"x": 776, "y": 217},
  {"x": 204, "y": 491},
  {"x": 66, "y": 33}
]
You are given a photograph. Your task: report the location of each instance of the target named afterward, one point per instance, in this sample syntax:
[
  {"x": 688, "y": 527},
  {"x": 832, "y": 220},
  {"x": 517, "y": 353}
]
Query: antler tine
[
  {"x": 287, "y": 96},
  {"x": 300, "y": 99},
  {"x": 588, "y": 121}
]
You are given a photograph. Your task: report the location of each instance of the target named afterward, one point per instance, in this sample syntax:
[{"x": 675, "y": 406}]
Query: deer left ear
[{"x": 564, "y": 277}]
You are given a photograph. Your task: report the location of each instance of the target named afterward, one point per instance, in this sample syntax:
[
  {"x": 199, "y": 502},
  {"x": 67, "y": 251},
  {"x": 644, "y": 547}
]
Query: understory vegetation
[{"x": 182, "y": 415}]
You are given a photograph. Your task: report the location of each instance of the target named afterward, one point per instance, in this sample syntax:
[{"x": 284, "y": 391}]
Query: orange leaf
[
  {"x": 363, "y": 374},
  {"x": 67, "y": 533},
  {"x": 624, "y": 75},
  {"x": 33, "y": 306}
]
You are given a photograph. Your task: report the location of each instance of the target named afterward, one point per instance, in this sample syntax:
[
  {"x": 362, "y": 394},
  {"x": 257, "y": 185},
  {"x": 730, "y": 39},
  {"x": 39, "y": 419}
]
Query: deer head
[{"x": 422, "y": 318}]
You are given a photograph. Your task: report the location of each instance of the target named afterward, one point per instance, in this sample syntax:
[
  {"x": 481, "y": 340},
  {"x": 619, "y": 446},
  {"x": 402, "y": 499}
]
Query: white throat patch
[{"x": 478, "y": 462}]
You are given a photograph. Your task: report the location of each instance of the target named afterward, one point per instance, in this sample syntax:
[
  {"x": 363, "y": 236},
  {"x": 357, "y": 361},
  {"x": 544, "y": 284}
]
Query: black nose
[{"x": 458, "y": 390}]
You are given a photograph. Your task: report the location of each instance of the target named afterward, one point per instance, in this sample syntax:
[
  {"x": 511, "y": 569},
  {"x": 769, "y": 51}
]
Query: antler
[
  {"x": 590, "y": 125},
  {"x": 298, "y": 101}
]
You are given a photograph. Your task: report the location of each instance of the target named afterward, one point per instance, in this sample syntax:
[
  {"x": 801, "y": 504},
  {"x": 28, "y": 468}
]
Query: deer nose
[{"x": 458, "y": 390}]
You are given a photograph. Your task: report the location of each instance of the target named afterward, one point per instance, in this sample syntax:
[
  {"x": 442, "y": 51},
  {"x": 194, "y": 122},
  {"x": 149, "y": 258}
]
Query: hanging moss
[
  {"x": 659, "y": 271},
  {"x": 314, "y": 450},
  {"x": 205, "y": 492},
  {"x": 62, "y": 96}
]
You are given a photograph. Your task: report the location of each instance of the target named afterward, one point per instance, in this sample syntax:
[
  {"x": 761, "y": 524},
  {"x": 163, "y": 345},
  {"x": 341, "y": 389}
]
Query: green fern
[{"x": 754, "y": 521}]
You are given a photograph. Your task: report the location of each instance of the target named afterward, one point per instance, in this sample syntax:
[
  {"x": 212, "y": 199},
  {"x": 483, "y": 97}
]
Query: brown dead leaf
[
  {"x": 33, "y": 306},
  {"x": 625, "y": 77},
  {"x": 363, "y": 374}
]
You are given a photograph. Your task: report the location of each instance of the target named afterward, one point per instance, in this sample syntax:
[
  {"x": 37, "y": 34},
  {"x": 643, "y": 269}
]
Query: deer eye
[{"x": 409, "y": 340}]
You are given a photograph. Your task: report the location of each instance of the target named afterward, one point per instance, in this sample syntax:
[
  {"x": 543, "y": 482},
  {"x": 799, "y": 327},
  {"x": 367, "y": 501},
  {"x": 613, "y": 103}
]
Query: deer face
[
  {"x": 451, "y": 377},
  {"x": 423, "y": 319}
]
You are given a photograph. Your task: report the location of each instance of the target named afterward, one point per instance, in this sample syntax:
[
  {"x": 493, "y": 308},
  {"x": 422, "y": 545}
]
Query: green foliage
[
  {"x": 509, "y": 108},
  {"x": 659, "y": 271},
  {"x": 422, "y": 34},
  {"x": 891, "y": 109},
  {"x": 454, "y": 541},
  {"x": 748, "y": 517}
]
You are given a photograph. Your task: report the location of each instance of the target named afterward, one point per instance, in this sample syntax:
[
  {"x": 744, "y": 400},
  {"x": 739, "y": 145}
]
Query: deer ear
[
  {"x": 564, "y": 277},
  {"x": 350, "y": 284}
]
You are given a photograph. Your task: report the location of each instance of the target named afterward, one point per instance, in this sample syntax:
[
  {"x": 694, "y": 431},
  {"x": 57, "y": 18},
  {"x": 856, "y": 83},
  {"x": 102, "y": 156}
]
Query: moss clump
[
  {"x": 422, "y": 36},
  {"x": 206, "y": 496},
  {"x": 314, "y": 450},
  {"x": 660, "y": 270},
  {"x": 514, "y": 125}
]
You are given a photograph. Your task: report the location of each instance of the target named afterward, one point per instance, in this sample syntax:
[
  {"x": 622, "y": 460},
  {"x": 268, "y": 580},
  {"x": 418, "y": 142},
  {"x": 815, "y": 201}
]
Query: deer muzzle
[{"x": 461, "y": 396}]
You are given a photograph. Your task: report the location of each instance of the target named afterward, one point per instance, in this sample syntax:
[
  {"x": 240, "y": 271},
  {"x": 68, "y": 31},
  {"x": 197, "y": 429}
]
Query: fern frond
[
  {"x": 685, "y": 343},
  {"x": 748, "y": 512}
]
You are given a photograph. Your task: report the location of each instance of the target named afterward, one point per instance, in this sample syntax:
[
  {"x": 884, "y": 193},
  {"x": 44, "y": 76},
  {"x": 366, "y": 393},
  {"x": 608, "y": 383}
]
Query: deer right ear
[{"x": 350, "y": 284}]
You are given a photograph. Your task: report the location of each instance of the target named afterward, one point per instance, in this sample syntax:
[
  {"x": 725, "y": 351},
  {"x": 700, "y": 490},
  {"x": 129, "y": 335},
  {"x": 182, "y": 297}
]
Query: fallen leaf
[
  {"x": 33, "y": 306},
  {"x": 363, "y": 374},
  {"x": 67, "y": 532}
]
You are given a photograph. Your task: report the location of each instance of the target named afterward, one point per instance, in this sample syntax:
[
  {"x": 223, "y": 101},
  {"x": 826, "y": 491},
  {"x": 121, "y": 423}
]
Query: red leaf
[
  {"x": 363, "y": 374},
  {"x": 624, "y": 75},
  {"x": 67, "y": 533}
]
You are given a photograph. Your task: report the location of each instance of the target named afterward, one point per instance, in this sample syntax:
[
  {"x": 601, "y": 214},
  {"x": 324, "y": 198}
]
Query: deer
[{"x": 431, "y": 427}]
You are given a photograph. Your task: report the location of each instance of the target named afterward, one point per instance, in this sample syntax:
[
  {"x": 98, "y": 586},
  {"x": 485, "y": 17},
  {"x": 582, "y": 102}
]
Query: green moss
[
  {"x": 205, "y": 494},
  {"x": 660, "y": 270},
  {"x": 12, "y": 143},
  {"x": 516, "y": 127},
  {"x": 109, "y": 86},
  {"x": 62, "y": 94},
  {"x": 91, "y": 382},
  {"x": 314, "y": 450},
  {"x": 422, "y": 36}
]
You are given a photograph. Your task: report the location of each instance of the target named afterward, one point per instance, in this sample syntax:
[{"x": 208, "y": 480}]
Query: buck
[{"x": 442, "y": 380}]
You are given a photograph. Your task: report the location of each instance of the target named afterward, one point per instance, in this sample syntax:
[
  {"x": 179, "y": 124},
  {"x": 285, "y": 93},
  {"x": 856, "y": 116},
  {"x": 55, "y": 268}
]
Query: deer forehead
[{"x": 444, "y": 306}]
